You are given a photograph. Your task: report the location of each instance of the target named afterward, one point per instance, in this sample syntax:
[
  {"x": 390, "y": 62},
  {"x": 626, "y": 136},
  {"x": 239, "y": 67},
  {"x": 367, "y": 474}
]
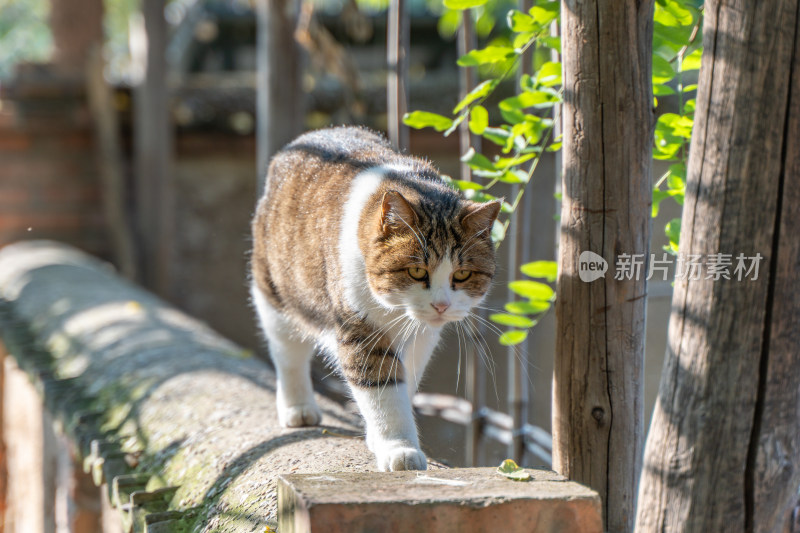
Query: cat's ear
[
  {"x": 397, "y": 212},
  {"x": 479, "y": 217}
]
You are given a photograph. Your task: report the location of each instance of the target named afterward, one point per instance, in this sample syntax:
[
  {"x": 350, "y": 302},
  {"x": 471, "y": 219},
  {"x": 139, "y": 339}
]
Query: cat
[{"x": 366, "y": 254}]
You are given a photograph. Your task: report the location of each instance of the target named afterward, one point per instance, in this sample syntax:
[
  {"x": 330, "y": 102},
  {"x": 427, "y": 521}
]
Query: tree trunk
[
  {"x": 723, "y": 453},
  {"x": 597, "y": 386}
]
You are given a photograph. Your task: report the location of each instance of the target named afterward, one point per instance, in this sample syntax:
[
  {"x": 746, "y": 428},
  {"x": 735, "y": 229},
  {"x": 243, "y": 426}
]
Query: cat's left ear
[
  {"x": 479, "y": 217},
  {"x": 397, "y": 213}
]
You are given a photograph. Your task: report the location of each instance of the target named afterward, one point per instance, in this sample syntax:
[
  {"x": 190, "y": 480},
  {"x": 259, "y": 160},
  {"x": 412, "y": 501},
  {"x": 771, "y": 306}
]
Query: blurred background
[{"x": 139, "y": 132}]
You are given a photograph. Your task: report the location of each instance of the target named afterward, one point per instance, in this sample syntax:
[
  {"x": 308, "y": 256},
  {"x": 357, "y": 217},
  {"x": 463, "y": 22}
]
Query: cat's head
[{"x": 433, "y": 258}]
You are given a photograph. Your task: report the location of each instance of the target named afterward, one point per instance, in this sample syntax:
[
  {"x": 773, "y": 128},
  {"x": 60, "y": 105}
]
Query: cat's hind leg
[{"x": 292, "y": 359}]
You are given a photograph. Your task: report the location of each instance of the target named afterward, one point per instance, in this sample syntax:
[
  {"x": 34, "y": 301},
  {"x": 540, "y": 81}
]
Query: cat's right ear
[
  {"x": 397, "y": 213},
  {"x": 479, "y": 217}
]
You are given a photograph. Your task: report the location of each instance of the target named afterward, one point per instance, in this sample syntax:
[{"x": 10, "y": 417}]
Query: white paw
[
  {"x": 392, "y": 459},
  {"x": 299, "y": 415}
]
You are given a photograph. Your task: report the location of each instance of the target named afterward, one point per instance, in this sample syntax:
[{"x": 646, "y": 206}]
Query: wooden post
[
  {"x": 598, "y": 375},
  {"x": 723, "y": 452},
  {"x": 280, "y": 102},
  {"x": 110, "y": 159},
  {"x": 397, "y": 47},
  {"x": 153, "y": 144}
]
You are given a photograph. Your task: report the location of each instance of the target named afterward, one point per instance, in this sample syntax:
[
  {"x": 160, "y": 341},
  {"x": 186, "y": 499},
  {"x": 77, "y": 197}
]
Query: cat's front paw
[
  {"x": 392, "y": 459},
  {"x": 299, "y": 415}
]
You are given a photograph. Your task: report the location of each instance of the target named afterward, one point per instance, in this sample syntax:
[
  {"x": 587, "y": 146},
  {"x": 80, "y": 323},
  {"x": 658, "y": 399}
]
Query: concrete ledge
[
  {"x": 444, "y": 501},
  {"x": 165, "y": 414}
]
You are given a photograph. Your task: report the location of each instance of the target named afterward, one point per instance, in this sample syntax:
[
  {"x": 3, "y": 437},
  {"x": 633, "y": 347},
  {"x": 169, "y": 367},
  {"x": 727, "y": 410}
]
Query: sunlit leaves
[
  {"x": 541, "y": 269},
  {"x": 532, "y": 290},
  {"x": 478, "y": 119},
  {"x": 673, "y": 231},
  {"x": 486, "y": 56},
  {"x": 425, "y": 119},
  {"x": 517, "y": 321},
  {"x": 480, "y": 91},
  {"x": 532, "y": 307},
  {"x": 477, "y": 161},
  {"x": 463, "y": 4},
  {"x": 512, "y": 337}
]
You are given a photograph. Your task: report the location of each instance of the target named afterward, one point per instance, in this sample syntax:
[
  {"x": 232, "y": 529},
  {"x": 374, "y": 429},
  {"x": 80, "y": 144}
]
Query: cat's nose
[{"x": 440, "y": 307}]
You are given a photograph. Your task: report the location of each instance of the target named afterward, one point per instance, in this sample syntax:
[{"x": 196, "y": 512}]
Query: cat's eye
[
  {"x": 417, "y": 273},
  {"x": 462, "y": 275}
]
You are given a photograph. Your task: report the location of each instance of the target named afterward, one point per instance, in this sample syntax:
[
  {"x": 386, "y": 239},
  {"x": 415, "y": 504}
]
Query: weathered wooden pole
[
  {"x": 723, "y": 452},
  {"x": 153, "y": 147},
  {"x": 597, "y": 383},
  {"x": 280, "y": 102}
]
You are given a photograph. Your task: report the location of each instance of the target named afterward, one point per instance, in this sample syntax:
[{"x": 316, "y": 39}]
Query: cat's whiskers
[
  {"x": 484, "y": 356},
  {"x": 377, "y": 336},
  {"x": 483, "y": 350},
  {"x": 404, "y": 331},
  {"x": 467, "y": 245}
]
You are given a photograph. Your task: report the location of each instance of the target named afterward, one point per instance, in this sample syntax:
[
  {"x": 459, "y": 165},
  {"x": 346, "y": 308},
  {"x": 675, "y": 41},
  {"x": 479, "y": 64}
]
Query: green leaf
[
  {"x": 496, "y": 135},
  {"x": 692, "y": 61},
  {"x": 513, "y": 176},
  {"x": 541, "y": 269},
  {"x": 481, "y": 90},
  {"x": 466, "y": 185},
  {"x": 515, "y": 321},
  {"x": 545, "y": 12},
  {"x": 449, "y": 22},
  {"x": 511, "y": 470},
  {"x": 458, "y": 120},
  {"x": 498, "y": 231},
  {"x": 658, "y": 196},
  {"x": 673, "y": 229},
  {"x": 662, "y": 90},
  {"x": 528, "y": 99},
  {"x": 520, "y": 22},
  {"x": 663, "y": 71},
  {"x": 477, "y": 161},
  {"x": 512, "y": 337},
  {"x": 549, "y": 74},
  {"x": 674, "y": 34},
  {"x": 508, "y": 162},
  {"x": 486, "y": 56},
  {"x": 532, "y": 290},
  {"x": 679, "y": 12},
  {"x": 478, "y": 119},
  {"x": 425, "y": 119},
  {"x": 463, "y": 4},
  {"x": 527, "y": 308},
  {"x": 521, "y": 40}
]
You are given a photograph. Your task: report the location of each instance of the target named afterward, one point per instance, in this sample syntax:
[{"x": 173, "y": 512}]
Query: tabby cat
[{"x": 366, "y": 254}]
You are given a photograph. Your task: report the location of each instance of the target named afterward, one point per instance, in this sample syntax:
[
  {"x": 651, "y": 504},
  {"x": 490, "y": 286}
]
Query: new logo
[{"x": 591, "y": 266}]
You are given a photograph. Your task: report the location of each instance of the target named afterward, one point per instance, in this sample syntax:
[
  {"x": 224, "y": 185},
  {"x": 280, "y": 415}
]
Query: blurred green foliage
[{"x": 24, "y": 33}]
